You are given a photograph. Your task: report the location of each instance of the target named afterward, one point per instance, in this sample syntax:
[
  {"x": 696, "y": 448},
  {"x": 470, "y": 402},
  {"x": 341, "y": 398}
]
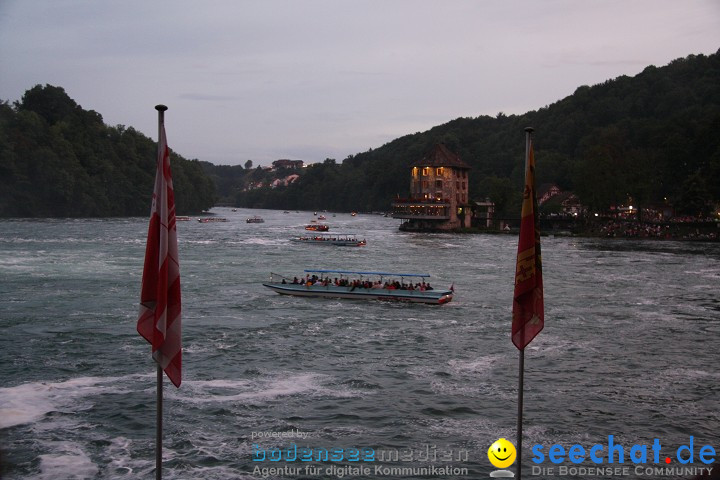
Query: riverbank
[
  {"x": 684, "y": 231},
  {"x": 698, "y": 231}
]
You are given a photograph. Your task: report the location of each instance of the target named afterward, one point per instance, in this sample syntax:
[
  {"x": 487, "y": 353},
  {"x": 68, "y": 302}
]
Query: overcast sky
[{"x": 315, "y": 79}]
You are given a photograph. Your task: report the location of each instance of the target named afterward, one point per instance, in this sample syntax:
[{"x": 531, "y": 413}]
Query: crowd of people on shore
[
  {"x": 308, "y": 280},
  {"x": 625, "y": 229},
  {"x": 653, "y": 230}
]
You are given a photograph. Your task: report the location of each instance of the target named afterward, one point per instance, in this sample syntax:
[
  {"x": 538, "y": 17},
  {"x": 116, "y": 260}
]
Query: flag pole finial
[
  {"x": 160, "y": 108},
  {"x": 527, "y": 129}
]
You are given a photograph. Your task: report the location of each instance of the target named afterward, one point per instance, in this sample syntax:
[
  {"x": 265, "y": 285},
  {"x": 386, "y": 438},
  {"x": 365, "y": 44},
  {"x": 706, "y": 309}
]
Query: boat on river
[
  {"x": 255, "y": 219},
  {"x": 212, "y": 219},
  {"x": 337, "y": 239},
  {"x": 317, "y": 227},
  {"x": 403, "y": 287}
]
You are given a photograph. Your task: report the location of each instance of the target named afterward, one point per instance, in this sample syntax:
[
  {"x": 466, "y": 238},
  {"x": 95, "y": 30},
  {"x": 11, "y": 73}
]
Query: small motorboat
[{"x": 317, "y": 227}]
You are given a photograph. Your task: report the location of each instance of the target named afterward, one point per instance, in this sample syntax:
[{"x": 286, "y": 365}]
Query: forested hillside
[
  {"x": 57, "y": 159},
  {"x": 653, "y": 138}
]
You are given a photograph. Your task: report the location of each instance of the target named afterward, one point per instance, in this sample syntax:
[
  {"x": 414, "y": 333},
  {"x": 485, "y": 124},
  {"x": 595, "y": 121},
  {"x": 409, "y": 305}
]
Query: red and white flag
[
  {"x": 528, "y": 316},
  {"x": 159, "y": 318}
]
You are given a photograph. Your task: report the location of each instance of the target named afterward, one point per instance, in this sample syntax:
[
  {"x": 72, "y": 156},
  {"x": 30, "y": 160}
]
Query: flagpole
[
  {"x": 528, "y": 137},
  {"x": 158, "y": 423},
  {"x": 521, "y": 356},
  {"x": 521, "y": 371}
]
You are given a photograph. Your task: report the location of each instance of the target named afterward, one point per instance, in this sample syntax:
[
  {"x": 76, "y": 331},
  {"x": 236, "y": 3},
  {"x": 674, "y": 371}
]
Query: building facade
[
  {"x": 285, "y": 163},
  {"x": 438, "y": 198}
]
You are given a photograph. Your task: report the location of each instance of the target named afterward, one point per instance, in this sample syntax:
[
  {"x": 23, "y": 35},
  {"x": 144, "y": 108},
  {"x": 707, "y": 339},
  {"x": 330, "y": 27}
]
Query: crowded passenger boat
[
  {"x": 407, "y": 287},
  {"x": 337, "y": 239}
]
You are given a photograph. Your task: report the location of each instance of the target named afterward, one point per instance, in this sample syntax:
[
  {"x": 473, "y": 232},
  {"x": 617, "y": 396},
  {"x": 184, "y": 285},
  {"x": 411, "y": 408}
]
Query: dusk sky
[{"x": 315, "y": 79}]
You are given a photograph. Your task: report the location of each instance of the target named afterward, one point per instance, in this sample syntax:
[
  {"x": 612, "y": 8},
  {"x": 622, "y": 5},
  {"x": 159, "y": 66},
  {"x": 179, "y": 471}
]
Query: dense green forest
[
  {"x": 653, "y": 138},
  {"x": 648, "y": 139},
  {"x": 58, "y": 160}
]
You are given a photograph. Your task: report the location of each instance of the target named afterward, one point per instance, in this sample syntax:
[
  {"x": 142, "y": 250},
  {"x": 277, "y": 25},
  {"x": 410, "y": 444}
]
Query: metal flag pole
[
  {"x": 528, "y": 138},
  {"x": 518, "y": 465},
  {"x": 158, "y": 424},
  {"x": 521, "y": 356}
]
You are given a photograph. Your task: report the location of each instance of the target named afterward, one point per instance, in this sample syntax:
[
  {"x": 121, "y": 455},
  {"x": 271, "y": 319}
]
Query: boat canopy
[{"x": 384, "y": 274}]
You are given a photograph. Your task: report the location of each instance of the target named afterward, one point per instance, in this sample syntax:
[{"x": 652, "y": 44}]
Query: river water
[{"x": 629, "y": 349}]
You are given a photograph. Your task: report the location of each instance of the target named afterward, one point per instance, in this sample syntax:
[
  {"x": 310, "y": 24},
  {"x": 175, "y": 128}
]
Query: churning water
[{"x": 630, "y": 349}]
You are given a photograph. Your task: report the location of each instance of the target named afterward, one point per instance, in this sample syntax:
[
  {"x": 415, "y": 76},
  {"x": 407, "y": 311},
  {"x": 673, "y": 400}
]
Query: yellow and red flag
[
  {"x": 160, "y": 305},
  {"x": 528, "y": 316}
]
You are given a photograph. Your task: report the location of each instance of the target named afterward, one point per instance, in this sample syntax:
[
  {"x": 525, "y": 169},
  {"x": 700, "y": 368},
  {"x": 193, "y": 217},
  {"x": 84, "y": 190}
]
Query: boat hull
[{"x": 433, "y": 297}]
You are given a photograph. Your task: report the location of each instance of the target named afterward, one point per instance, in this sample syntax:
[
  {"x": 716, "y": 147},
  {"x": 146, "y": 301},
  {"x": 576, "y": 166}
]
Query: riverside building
[{"x": 438, "y": 194}]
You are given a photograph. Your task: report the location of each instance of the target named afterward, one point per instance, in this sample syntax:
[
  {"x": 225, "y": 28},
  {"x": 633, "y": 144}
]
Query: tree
[
  {"x": 57, "y": 159},
  {"x": 51, "y": 103},
  {"x": 248, "y": 165},
  {"x": 694, "y": 197}
]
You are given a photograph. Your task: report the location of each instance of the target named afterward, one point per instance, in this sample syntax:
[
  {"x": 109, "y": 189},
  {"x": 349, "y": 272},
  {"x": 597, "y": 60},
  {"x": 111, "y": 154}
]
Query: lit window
[
  {"x": 439, "y": 171},
  {"x": 426, "y": 171}
]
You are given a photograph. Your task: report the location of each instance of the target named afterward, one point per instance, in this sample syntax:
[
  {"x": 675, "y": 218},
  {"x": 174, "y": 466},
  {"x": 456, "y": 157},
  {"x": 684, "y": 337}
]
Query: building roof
[
  {"x": 284, "y": 162},
  {"x": 561, "y": 198},
  {"x": 545, "y": 188},
  {"x": 441, "y": 156}
]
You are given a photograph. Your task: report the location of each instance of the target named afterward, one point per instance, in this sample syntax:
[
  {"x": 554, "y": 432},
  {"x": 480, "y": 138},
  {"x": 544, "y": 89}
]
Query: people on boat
[
  {"x": 325, "y": 238},
  {"x": 368, "y": 284}
]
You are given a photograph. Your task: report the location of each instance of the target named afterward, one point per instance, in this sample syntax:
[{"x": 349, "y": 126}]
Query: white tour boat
[{"x": 405, "y": 287}]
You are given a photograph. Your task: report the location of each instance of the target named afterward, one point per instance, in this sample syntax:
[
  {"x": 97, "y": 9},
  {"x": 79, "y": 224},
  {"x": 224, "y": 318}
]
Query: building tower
[{"x": 438, "y": 193}]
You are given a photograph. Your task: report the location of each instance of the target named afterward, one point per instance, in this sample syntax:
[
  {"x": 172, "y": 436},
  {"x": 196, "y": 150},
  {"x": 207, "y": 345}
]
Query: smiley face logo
[{"x": 502, "y": 453}]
